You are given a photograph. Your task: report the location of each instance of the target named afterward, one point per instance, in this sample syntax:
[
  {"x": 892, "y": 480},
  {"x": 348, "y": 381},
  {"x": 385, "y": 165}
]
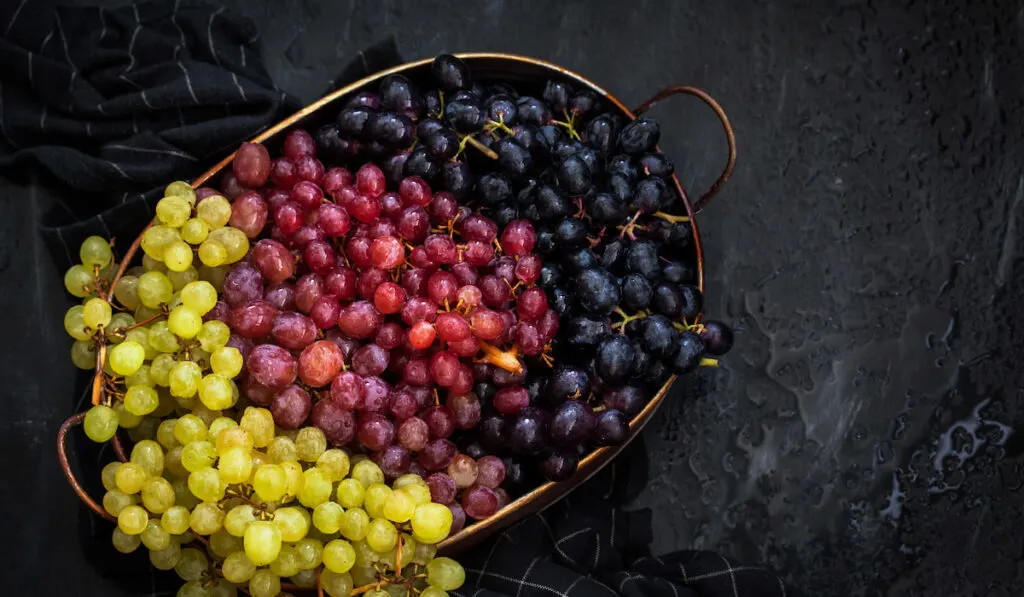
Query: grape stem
[
  {"x": 706, "y": 362},
  {"x": 507, "y": 360},
  {"x": 99, "y": 379},
  {"x": 626, "y": 318},
  {"x": 671, "y": 218},
  {"x": 145, "y": 321},
  {"x": 487, "y": 151},
  {"x": 398, "y": 555},
  {"x": 630, "y": 226}
]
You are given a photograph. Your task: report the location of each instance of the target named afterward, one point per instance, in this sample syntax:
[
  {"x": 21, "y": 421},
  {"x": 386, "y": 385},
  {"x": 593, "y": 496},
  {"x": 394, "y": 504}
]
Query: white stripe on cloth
[
  {"x": 179, "y": 154},
  {"x": 14, "y": 17},
  {"x": 209, "y": 35},
  {"x": 241, "y": 91},
  {"x": 188, "y": 81}
]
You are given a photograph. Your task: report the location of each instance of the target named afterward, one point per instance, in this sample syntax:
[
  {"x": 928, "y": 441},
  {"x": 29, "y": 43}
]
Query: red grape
[
  {"x": 490, "y": 471},
  {"x": 477, "y": 253},
  {"x": 414, "y": 281},
  {"x": 338, "y": 424},
  {"x": 467, "y": 347},
  {"x": 451, "y": 327},
  {"x": 348, "y": 390},
  {"x": 387, "y": 252},
  {"x": 254, "y": 320},
  {"x": 375, "y": 431},
  {"x": 258, "y": 393},
  {"x": 465, "y": 274},
  {"x": 440, "y": 249},
  {"x": 463, "y": 471},
  {"x": 401, "y": 404},
  {"x": 458, "y": 518},
  {"x": 307, "y": 195},
  {"x": 465, "y": 410},
  {"x": 272, "y": 366},
  {"x": 370, "y": 360},
  {"x": 416, "y": 372},
  {"x": 283, "y": 173},
  {"x": 486, "y": 324},
  {"x": 251, "y": 165},
  {"x": 204, "y": 192},
  {"x": 391, "y": 205},
  {"x": 548, "y": 325},
  {"x": 333, "y": 219},
  {"x": 375, "y": 394},
  {"x": 243, "y": 285},
  {"x": 441, "y": 287},
  {"x": 306, "y": 234},
  {"x": 421, "y": 335},
  {"x": 359, "y": 320},
  {"x": 273, "y": 259},
  {"x": 319, "y": 256},
  {"x": 479, "y": 228},
  {"x": 382, "y": 226},
  {"x": 528, "y": 268},
  {"x": 463, "y": 383},
  {"x": 440, "y": 421},
  {"x": 394, "y": 461},
  {"x": 298, "y": 143},
  {"x": 390, "y": 335},
  {"x": 419, "y": 309},
  {"x": 443, "y": 366},
  {"x": 413, "y": 433},
  {"x": 370, "y": 180},
  {"x": 479, "y": 502},
  {"x": 325, "y": 312},
  {"x": 290, "y": 407},
  {"x": 229, "y": 186},
  {"x": 518, "y": 237},
  {"x": 288, "y": 217},
  {"x": 282, "y": 296},
  {"x": 529, "y": 339},
  {"x": 495, "y": 291},
  {"x": 443, "y": 207},
  {"x": 221, "y": 312},
  {"x": 364, "y": 208},
  {"x": 320, "y": 363},
  {"x": 341, "y": 283},
  {"x": 335, "y": 179},
  {"x": 293, "y": 331},
  {"x": 442, "y": 488},
  {"x": 358, "y": 250},
  {"x": 249, "y": 213},
  {"x": 511, "y": 400},
  {"x": 437, "y": 454},
  {"x": 414, "y": 191},
  {"x": 413, "y": 224},
  {"x": 309, "y": 169}
]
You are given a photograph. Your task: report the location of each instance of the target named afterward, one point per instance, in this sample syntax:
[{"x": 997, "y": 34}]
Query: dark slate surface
[{"x": 863, "y": 438}]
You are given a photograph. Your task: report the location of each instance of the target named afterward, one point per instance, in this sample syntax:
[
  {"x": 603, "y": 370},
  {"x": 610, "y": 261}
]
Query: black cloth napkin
[{"x": 113, "y": 104}]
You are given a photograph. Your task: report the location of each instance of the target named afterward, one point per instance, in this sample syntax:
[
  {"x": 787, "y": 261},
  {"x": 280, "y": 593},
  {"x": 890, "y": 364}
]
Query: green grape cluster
[{"x": 212, "y": 488}]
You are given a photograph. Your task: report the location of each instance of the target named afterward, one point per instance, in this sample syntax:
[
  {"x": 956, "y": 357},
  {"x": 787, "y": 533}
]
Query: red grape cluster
[{"x": 372, "y": 313}]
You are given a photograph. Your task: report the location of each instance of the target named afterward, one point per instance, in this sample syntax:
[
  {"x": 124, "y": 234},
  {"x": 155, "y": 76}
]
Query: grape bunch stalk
[{"x": 211, "y": 487}]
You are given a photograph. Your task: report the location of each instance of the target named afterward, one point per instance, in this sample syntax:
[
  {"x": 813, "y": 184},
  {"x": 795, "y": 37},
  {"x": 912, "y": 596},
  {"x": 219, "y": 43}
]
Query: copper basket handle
[
  {"x": 62, "y": 455},
  {"x": 730, "y": 136}
]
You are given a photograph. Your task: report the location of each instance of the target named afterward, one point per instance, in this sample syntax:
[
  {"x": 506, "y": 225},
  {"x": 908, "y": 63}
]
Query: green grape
[
  {"x": 162, "y": 338},
  {"x": 238, "y": 518},
  {"x": 115, "y": 500},
  {"x": 215, "y": 210},
  {"x": 212, "y": 253},
  {"x": 184, "y": 379},
  {"x": 160, "y": 369},
  {"x": 184, "y": 322},
  {"x": 227, "y": 361},
  {"x": 262, "y": 542},
  {"x": 316, "y": 488},
  {"x": 165, "y": 559},
  {"x": 235, "y": 242},
  {"x": 431, "y": 522},
  {"x": 419, "y": 492},
  {"x": 83, "y": 354},
  {"x": 192, "y": 588},
  {"x": 123, "y": 542},
  {"x": 336, "y": 585},
  {"x": 304, "y": 579},
  {"x": 154, "y": 289},
  {"x": 181, "y": 279},
  {"x": 269, "y": 482},
  {"x": 182, "y": 495},
  {"x": 293, "y": 523},
  {"x": 408, "y": 479},
  {"x": 132, "y": 519},
  {"x": 327, "y": 517},
  {"x": 216, "y": 391},
  {"x": 355, "y": 523},
  {"x": 398, "y": 506},
  {"x": 108, "y": 473},
  {"x": 338, "y": 556},
  {"x": 199, "y": 296},
  {"x": 178, "y": 256},
  {"x": 433, "y": 592},
  {"x": 362, "y": 575},
  {"x": 445, "y": 574},
  {"x": 213, "y": 335},
  {"x": 264, "y": 583},
  {"x": 381, "y": 536},
  {"x": 206, "y": 484},
  {"x": 220, "y": 424},
  {"x": 185, "y": 538},
  {"x": 141, "y": 337},
  {"x": 150, "y": 264},
  {"x": 230, "y": 438},
  {"x": 100, "y": 423},
  {"x": 206, "y": 519},
  {"x": 132, "y": 423},
  {"x": 150, "y": 456},
  {"x": 141, "y": 400},
  {"x": 119, "y": 322},
  {"x": 180, "y": 188},
  {"x": 206, "y": 415},
  {"x": 190, "y": 428},
  {"x": 296, "y": 481},
  {"x": 96, "y": 313},
  {"x": 310, "y": 444},
  {"x": 126, "y": 291},
  {"x": 235, "y": 466},
  {"x": 374, "y": 498},
  {"x": 127, "y": 357},
  {"x": 155, "y": 537},
  {"x": 287, "y": 562},
  {"x": 95, "y": 252},
  {"x": 222, "y": 588},
  {"x": 424, "y": 553},
  {"x": 364, "y": 555},
  {"x": 140, "y": 378},
  {"x": 281, "y": 449},
  {"x": 195, "y": 231},
  {"x": 367, "y": 472},
  {"x": 334, "y": 463},
  {"x": 74, "y": 324},
  {"x": 157, "y": 495},
  {"x": 200, "y": 356},
  {"x": 166, "y": 404},
  {"x": 237, "y": 567},
  {"x": 165, "y": 434},
  {"x": 196, "y": 455},
  {"x": 214, "y": 275},
  {"x": 260, "y": 425},
  {"x": 78, "y": 281},
  {"x": 192, "y": 564},
  {"x": 350, "y": 493},
  {"x": 173, "y": 211},
  {"x": 173, "y": 465},
  {"x": 309, "y": 552}
]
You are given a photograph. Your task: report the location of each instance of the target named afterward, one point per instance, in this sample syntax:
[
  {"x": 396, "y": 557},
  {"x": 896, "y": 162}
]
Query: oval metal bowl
[{"x": 527, "y": 73}]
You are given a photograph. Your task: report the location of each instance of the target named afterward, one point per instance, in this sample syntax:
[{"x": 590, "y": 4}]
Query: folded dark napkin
[{"x": 113, "y": 104}]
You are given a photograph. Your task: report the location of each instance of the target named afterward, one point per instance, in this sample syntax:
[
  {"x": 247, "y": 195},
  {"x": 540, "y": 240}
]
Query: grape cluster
[{"x": 213, "y": 488}]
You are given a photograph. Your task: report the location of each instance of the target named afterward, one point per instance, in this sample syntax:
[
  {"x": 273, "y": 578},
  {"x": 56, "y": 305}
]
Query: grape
[
  {"x": 445, "y": 574},
  {"x": 376, "y": 431},
  {"x": 367, "y": 473},
  {"x": 258, "y": 423},
  {"x": 559, "y": 466},
  {"x": 336, "y": 585},
  {"x": 165, "y": 559},
  {"x": 442, "y": 488},
  {"x": 254, "y": 320},
  {"x": 337, "y": 423},
  {"x": 359, "y": 320},
  {"x": 338, "y": 556},
  {"x": 381, "y": 535},
  {"x": 479, "y": 502},
  {"x": 125, "y": 543},
  {"x": 610, "y": 427},
  {"x": 238, "y": 568},
  {"x": 242, "y": 285},
  {"x": 440, "y": 421},
  {"x": 355, "y": 523},
  {"x": 413, "y": 434},
  {"x": 320, "y": 363},
  {"x": 437, "y": 454},
  {"x": 293, "y": 522},
  {"x": 273, "y": 260},
  {"x": 251, "y": 165},
  {"x": 490, "y": 471},
  {"x": 272, "y": 366},
  {"x": 394, "y": 461},
  {"x": 264, "y": 583},
  {"x": 100, "y": 423}
]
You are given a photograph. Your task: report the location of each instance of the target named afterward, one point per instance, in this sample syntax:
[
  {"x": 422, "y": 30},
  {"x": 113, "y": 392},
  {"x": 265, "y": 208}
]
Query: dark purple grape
[
  {"x": 628, "y": 399},
  {"x": 611, "y": 427},
  {"x": 571, "y": 424},
  {"x": 491, "y": 432},
  {"x": 687, "y": 357},
  {"x": 528, "y": 431},
  {"x": 450, "y": 73},
  {"x": 394, "y": 461},
  {"x": 559, "y": 466},
  {"x": 640, "y": 136},
  {"x": 437, "y": 454},
  {"x": 717, "y": 338}
]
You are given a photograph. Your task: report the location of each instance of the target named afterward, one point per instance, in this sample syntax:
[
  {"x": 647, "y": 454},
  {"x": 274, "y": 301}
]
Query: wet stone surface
[{"x": 864, "y": 437}]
